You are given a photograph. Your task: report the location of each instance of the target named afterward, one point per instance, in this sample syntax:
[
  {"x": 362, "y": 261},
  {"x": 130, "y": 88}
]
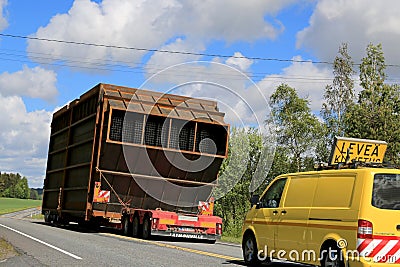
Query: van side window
[{"x": 272, "y": 197}]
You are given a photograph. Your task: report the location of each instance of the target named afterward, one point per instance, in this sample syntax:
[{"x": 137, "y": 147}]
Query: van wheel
[
  {"x": 332, "y": 257},
  {"x": 250, "y": 251},
  {"x": 135, "y": 226},
  {"x": 126, "y": 226}
]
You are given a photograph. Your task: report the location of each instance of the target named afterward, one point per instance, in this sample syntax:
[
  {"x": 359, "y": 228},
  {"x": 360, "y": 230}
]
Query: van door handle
[
  {"x": 275, "y": 212},
  {"x": 283, "y": 212},
  {"x": 398, "y": 227}
]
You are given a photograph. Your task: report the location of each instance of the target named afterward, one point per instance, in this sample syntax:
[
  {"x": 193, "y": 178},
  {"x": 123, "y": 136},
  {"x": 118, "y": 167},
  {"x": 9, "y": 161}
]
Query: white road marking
[{"x": 42, "y": 242}]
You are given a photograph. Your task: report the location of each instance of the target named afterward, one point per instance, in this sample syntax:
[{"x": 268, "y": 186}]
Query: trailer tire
[
  {"x": 52, "y": 219},
  {"x": 46, "y": 217},
  {"x": 135, "y": 226},
  {"x": 126, "y": 226},
  {"x": 146, "y": 228}
]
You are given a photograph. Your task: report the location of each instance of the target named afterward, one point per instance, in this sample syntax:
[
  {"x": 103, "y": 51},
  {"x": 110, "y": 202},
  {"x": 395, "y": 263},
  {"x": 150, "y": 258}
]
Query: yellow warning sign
[{"x": 362, "y": 150}]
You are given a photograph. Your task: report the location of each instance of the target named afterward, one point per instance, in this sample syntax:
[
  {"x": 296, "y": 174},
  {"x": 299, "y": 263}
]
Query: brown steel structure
[{"x": 146, "y": 147}]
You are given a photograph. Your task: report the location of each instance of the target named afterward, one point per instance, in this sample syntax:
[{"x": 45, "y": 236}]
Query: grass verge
[
  {"x": 38, "y": 217},
  {"x": 6, "y": 250},
  {"x": 8, "y": 205},
  {"x": 231, "y": 239}
]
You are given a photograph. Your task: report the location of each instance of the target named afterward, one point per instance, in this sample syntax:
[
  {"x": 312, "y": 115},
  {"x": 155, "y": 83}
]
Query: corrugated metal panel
[
  {"x": 162, "y": 104},
  {"x": 117, "y": 104},
  {"x": 112, "y": 93},
  {"x": 146, "y": 98}
]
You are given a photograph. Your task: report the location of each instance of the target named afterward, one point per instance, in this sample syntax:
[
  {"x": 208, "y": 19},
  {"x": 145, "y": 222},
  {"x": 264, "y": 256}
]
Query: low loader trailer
[{"x": 141, "y": 161}]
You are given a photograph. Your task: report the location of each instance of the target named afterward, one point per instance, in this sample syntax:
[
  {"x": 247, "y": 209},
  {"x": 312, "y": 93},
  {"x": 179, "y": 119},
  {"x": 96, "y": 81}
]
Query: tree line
[
  {"x": 15, "y": 186},
  {"x": 303, "y": 137}
]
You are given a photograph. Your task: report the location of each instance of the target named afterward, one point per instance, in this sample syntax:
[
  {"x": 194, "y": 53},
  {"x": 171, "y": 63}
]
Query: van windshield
[{"x": 386, "y": 191}]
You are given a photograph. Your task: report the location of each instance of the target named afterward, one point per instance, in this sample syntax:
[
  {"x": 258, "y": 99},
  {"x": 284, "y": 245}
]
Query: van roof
[{"x": 347, "y": 170}]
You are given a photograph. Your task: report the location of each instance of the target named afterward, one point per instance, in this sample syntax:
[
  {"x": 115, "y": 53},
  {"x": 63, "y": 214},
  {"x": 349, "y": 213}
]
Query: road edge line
[{"x": 42, "y": 242}]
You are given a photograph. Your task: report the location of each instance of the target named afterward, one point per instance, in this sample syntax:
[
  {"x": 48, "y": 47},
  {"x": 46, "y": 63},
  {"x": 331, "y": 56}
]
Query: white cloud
[
  {"x": 308, "y": 80},
  {"x": 239, "y": 61},
  {"x": 155, "y": 24},
  {"x": 356, "y": 22},
  {"x": 32, "y": 82},
  {"x": 24, "y": 135},
  {"x": 23, "y": 139},
  {"x": 158, "y": 61},
  {"x": 3, "y": 20},
  {"x": 244, "y": 102},
  {"x": 230, "y": 20}
]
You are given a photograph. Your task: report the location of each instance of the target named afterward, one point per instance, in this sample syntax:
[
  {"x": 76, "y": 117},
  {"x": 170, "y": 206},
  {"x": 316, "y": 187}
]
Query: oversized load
[{"x": 118, "y": 153}]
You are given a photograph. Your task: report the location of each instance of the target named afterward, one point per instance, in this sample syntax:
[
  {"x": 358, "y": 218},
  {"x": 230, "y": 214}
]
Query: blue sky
[{"x": 255, "y": 46}]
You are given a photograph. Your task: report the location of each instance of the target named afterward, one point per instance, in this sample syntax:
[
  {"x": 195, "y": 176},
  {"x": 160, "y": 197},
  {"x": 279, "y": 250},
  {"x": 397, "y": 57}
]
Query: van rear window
[{"x": 386, "y": 191}]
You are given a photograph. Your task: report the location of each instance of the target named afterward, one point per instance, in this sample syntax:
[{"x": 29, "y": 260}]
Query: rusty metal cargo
[{"x": 131, "y": 157}]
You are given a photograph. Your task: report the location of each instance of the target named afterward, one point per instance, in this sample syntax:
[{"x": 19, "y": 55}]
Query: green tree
[
  {"x": 237, "y": 173},
  {"x": 339, "y": 96},
  {"x": 296, "y": 127},
  {"x": 376, "y": 114},
  {"x": 372, "y": 70},
  {"x": 282, "y": 164},
  {"x": 33, "y": 194},
  {"x": 14, "y": 186}
]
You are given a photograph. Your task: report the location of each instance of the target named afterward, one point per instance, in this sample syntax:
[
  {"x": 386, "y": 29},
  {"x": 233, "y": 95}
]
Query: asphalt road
[{"x": 40, "y": 244}]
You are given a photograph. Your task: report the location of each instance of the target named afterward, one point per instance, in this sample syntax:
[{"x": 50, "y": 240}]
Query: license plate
[{"x": 184, "y": 235}]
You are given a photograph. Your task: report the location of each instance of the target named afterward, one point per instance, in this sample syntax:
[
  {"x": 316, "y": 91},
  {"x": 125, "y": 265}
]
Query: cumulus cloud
[
  {"x": 154, "y": 24},
  {"x": 239, "y": 61},
  {"x": 244, "y": 101},
  {"x": 24, "y": 135},
  {"x": 3, "y": 20},
  {"x": 216, "y": 81},
  {"x": 308, "y": 79},
  {"x": 31, "y": 82},
  {"x": 23, "y": 139},
  {"x": 356, "y": 22},
  {"x": 158, "y": 61}
]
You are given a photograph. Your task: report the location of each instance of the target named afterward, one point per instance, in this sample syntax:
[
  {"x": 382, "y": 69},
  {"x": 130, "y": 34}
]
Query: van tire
[
  {"x": 337, "y": 258},
  {"x": 250, "y": 250}
]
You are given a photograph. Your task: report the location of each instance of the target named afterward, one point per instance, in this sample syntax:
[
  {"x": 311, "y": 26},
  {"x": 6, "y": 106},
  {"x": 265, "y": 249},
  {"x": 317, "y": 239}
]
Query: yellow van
[{"x": 337, "y": 217}]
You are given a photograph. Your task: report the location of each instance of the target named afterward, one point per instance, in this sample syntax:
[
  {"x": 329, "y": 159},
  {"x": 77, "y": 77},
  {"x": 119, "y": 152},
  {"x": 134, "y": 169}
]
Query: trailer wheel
[
  {"x": 126, "y": 226},
  {"x": 146, "y": 230},
  {"x": 46, "y": 217},
  {"x": 135, "y": 226},
  {"x": 52, "y": 219}
]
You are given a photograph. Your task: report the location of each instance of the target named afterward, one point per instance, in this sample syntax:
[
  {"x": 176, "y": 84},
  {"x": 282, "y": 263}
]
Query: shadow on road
[
  {"x": 71, "y": 227},
  {"x": 88, "y": 229}
]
